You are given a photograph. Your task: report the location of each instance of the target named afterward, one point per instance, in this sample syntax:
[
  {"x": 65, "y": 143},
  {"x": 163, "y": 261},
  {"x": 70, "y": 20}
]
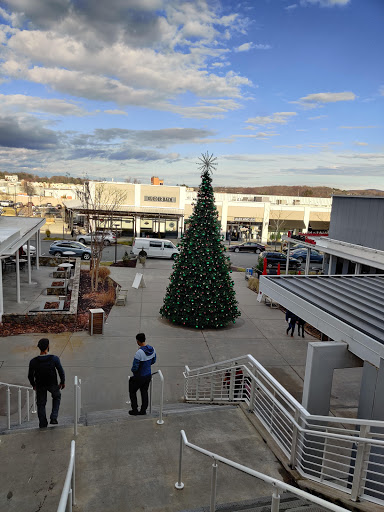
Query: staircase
[
  {"x": 288, "y": 503},
  {"x": 131, "y": 463}
]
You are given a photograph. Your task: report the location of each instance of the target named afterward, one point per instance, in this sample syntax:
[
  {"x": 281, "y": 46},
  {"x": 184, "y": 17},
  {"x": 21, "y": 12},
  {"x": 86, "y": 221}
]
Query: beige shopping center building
[{"x": 154, "y": 209}]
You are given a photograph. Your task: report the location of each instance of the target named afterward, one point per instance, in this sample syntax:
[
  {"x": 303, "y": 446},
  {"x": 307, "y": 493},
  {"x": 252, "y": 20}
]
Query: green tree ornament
[{"x": 200, "y": 283}]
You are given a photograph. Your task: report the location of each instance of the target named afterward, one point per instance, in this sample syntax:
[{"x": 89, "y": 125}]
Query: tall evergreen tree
[{"x": 201, "y": 292}]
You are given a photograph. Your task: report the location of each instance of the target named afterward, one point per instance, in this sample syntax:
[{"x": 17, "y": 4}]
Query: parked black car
[
  {"x": 248, "y": 247},
  {"x": 274, "y": 258}
]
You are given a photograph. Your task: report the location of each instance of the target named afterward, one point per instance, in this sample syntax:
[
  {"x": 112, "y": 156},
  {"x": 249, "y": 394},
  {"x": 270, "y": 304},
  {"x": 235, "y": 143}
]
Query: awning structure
[
  {"x": 346, "y": 308},
  {"x": 286, "y": 224},
  {"x": 319, "y": 225}
]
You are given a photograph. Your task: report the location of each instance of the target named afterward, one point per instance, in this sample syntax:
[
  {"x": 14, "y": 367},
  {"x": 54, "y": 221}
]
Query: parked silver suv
[{"x": 109, "y": 238}]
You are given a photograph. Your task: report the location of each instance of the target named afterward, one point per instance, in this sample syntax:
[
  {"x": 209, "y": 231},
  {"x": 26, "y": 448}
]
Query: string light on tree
[{"x": 201, "y": 292}]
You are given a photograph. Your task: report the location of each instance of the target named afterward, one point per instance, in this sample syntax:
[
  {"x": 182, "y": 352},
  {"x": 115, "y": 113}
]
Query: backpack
[{"x": 45, "y": 370}]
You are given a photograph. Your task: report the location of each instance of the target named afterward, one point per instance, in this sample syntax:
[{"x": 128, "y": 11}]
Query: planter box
[
  {"x": 56, "y": 290},
  {"x": 59, "y": 274},
  {"x": 130, "y": 263}
]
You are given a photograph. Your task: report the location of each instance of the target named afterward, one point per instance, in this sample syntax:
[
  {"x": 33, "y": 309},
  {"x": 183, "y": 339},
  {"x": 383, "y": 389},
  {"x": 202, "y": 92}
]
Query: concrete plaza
[
  {"x": 103, "y": 362},
  {"x": 131, "y": 462}
]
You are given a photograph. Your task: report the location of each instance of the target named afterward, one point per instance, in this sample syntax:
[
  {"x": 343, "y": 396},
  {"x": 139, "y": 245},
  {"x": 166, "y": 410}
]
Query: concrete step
[
  {"x": 65, "y": 421},
  {"x": 101, "y": 417},
  {"x": 288, "y": 503}
]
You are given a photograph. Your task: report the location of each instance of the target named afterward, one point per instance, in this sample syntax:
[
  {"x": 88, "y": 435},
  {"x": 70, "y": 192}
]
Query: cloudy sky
[{"x": 281, "y": 91}]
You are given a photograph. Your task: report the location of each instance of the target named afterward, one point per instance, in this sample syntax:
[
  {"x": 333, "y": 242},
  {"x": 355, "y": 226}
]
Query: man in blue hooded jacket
[{"x": 144, "y": 358}]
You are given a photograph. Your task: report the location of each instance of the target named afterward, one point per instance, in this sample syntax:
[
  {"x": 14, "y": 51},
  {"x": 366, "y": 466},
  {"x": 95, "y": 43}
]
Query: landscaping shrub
[
  {"x": 48, "y": 233},
  {"x": 253, "y": 284},
  {"x": 104, "y": 273}
]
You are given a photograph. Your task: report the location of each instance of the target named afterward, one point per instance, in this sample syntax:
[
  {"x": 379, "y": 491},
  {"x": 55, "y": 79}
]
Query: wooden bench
[{"x": 121, "y": 297}]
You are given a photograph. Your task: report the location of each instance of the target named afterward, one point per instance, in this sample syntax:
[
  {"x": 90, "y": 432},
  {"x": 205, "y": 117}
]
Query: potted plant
[{"x": 128, "y": 261}]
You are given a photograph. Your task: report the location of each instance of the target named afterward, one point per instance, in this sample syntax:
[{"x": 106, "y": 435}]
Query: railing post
[
  {"x": 213, "y": 486},
  {"x": 186, "y": 369},
  {"x": 232, "y": 379},
  {"x": 34, "y": 411},
  {"x": 28, "y": 411},
  {"x": 292, "y": 458},
  {"x": 359, "y": 464},
  {"x": 197, "y": 384},
  {"x": 74, "y": 481},
  {"x": 69, "y": 501},
  {"x": 275, "y": 505},
  {"x": 8, "y": 408},
  {"x": 160, "y": 421},
  {"x": 76, "y": 407},
  {"x": 150, "y": 396},
  {"x": 79, "y": 400},
  {"x": 252, "y": 394},
  {"x": 179, "y": 484},
  {"x": 213, "y": 383},
  {"x": 19, "y": 404}
]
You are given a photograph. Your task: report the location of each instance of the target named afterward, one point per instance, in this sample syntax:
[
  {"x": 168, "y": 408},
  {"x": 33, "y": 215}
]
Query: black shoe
[
  {"x": 142, "y": 413},
  {"x": 54, "y": 422},
  {"x": 44, "y": 425},
  {"x": 291, "y": 335},
  {"x": 133, "y": 413}
]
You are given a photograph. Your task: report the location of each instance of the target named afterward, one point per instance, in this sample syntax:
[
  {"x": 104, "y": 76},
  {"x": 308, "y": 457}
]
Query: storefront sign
[
  {"x": 245, "y": 219},
  {"x": 160, "y": 199}
]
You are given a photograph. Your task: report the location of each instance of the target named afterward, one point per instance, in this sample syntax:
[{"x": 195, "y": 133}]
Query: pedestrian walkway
[{"x": 103, "y": 361}]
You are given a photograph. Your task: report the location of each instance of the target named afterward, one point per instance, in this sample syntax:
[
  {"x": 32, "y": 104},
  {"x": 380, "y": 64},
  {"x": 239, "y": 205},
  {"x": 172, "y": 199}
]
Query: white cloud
[
  {"x": 357, "y": 143},
  {"x": 116, "y": 112},
  {"x": 252, "y": 46},
  {"x": 23, "y": 103},
  {"x": 291, "y": 7},
  {"x": 356, "y": 127},
  {"x": 144, "y": 53},
  {"x": 381, "y": 90},
  {"x": 326, "y": 97},
  {"x": 317, "y": 117},
  {"x": 326, "y": 3},
  {"x": 276, "y": 118}
]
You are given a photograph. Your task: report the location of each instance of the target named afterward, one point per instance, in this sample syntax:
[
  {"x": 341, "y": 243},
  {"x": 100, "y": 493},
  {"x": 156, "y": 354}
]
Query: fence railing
[
  {"x": 160, "y": 421},
  {"x": 77, "y": 403},
  {"x": 20, "y": 389},
  {"x": 277, "y": 485},
  {"x": 344, "y": 453},
  {"x": 68, "y": 494}
]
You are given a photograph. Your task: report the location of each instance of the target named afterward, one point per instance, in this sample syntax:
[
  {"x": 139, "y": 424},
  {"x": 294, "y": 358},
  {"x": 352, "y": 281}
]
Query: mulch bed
[
  {"x": 51, "y": 305},
  {"x": 49, "y": 324},
  {"x": 58, "y": 283}
]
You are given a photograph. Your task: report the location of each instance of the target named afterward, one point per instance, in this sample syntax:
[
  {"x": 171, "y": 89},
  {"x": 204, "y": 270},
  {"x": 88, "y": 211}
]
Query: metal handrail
[
  {"x": 160, "y": 421},
  {"x": 77, "y": 403},
  {"x": 311, "y": 443},
  {"x": 69, "y": 491},
  {"x": 299, "y": 427},
  {"x": 331, "y": 419},
  {"x": 278, "y": 485},
  {"x": 19, "y": 388}
]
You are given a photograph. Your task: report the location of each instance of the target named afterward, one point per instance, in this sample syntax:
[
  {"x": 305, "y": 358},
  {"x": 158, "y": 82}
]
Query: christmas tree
[{"x": 201, "y": 292}]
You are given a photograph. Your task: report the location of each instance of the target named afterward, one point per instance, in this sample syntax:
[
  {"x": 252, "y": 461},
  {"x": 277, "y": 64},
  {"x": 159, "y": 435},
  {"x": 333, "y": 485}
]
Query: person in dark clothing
[
  {"x": 291, "y": 318},
  {"x": 142, "y": 257},
  {"x": 42, "y": 375},
  {"x": 144, "y": 358},
  {"x": 300, "y": 325}
]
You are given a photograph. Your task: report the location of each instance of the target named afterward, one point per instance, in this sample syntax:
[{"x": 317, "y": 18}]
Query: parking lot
[{"x": 240, "y": 259}]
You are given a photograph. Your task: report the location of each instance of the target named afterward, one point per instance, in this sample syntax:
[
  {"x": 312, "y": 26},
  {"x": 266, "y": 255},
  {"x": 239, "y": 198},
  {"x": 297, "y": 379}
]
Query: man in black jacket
[{"x": 42, "y": 375}]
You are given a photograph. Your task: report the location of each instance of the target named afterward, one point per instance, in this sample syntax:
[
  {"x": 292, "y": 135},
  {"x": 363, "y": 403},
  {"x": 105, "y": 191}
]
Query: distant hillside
[
  {"x": 298, "y": 190},
  {"x": 44, "y": 179}
]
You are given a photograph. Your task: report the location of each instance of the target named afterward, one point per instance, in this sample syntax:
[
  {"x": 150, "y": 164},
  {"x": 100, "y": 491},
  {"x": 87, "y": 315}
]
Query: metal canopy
[{"x": 344, "y": 307}]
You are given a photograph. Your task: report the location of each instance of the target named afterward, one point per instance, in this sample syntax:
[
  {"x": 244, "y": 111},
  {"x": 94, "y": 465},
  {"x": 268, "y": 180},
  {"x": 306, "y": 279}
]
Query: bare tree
[
  {"x": 99, "y": 202},
  {"x": 278, "y": 223}
]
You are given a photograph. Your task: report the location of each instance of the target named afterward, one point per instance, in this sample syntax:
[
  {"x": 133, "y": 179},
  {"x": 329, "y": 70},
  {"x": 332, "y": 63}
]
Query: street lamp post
[{"x": 116, "y": 226}]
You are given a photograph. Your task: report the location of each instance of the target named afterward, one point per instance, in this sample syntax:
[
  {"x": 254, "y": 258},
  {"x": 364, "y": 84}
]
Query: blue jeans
[{"x": 41, "y": 401}]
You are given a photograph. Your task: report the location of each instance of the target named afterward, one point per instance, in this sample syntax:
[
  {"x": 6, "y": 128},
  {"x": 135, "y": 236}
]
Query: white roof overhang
[{"x": 346, "y": 308}]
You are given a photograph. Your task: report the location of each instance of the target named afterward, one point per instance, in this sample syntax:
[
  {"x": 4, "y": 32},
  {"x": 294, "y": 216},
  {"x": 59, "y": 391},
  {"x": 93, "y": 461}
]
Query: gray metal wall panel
[{"x": 358, "y": 220}]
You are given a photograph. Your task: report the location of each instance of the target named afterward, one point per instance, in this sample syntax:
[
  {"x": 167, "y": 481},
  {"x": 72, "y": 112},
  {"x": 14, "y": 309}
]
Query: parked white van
[{"x": 155, "y": 248}]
